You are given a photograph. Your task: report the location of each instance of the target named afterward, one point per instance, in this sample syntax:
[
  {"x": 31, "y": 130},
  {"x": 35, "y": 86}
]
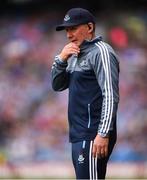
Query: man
[{"x": 90, "y": 69}]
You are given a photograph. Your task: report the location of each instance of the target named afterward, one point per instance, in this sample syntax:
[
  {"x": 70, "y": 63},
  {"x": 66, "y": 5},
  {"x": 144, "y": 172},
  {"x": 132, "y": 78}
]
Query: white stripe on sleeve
[{"x": 107, "y": 116}]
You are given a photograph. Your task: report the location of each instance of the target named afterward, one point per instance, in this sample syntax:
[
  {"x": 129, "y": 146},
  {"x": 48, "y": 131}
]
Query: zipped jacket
[{"x": 93, "y": 81}]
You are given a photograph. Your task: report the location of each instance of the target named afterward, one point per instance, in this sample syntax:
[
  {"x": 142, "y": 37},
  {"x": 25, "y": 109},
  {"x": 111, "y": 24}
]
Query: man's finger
[
  {"x": 106, "y": 151},
  {"x": 102, "y": 153}
]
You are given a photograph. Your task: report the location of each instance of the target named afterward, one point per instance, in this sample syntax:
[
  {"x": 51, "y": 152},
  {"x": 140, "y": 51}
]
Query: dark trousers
[{"x": 87, "y": 167}]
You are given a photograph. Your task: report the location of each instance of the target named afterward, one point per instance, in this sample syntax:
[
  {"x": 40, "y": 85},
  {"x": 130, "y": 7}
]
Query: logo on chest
[{"x": 84, "y": 64}]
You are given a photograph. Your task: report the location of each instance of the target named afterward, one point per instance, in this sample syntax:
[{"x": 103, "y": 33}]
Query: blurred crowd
[{"x": 33, "y": 118}]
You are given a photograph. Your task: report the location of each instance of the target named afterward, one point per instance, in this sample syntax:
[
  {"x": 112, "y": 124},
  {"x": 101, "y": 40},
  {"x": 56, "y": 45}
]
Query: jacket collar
[{"x": 86, "y": 43}]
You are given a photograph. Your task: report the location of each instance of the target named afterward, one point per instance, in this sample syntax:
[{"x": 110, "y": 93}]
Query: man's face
[{"x": 77, "y": 34}]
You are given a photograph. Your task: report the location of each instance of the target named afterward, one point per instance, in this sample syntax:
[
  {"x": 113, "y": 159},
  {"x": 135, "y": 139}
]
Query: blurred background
[{"x": 33, "y": 118}]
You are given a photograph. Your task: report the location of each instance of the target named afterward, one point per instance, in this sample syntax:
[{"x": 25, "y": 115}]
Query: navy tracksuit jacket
[{"x": 92, "y": 79}]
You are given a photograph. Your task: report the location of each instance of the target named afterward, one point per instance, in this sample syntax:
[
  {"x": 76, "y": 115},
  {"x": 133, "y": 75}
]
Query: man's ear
[{"x": 90, "y": 26}]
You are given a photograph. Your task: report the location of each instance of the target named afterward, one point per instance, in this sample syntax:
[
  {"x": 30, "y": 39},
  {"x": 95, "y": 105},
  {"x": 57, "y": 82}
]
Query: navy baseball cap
[{"x": 76, "y": 16}]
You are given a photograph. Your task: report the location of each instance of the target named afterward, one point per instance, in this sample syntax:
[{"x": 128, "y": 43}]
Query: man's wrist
[
  {"x": 60, "y": 59},
  {"x": 63, "y": 57},
  {"x": 104, "y": 135}
]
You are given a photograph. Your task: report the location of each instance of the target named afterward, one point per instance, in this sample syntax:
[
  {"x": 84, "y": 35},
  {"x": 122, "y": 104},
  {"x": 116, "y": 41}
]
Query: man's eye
[{"x": 73, "y": 28}]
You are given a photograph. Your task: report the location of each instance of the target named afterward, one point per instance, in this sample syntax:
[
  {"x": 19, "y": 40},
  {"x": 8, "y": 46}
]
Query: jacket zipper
[
  {"x": 89, "y": 117},
  {"x": 75, "y": 62}
]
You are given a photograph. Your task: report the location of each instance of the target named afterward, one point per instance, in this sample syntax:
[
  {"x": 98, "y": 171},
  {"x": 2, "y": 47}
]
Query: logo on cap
[{"x": 66, "y": 18}]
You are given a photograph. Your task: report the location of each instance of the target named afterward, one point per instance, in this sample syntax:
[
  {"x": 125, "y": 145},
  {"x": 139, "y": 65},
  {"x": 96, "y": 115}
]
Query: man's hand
[
  {"x": 68, "y": 50},
  {"x": 100, "y": 146}
]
